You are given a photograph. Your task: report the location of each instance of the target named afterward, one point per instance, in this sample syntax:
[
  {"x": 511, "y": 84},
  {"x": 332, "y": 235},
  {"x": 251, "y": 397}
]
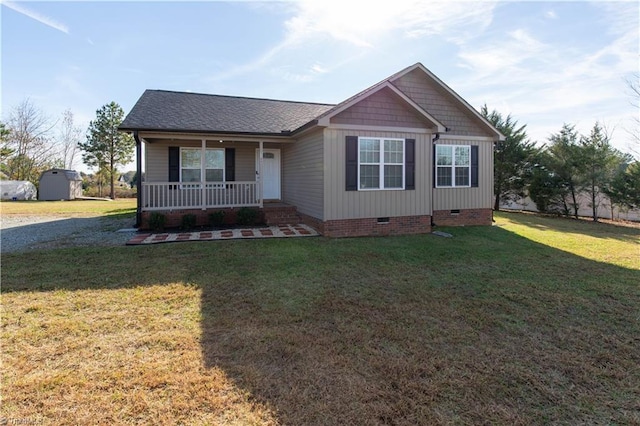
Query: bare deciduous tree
[
  {"x": 633, "y": 85},
  {"x": 68, "y": 138},
  {"x": 29, "y": 140}
]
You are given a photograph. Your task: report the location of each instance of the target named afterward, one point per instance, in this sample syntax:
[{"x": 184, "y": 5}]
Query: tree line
[
  {"x": 31, "y": 142},
  {"x": 566, "y": 166}
]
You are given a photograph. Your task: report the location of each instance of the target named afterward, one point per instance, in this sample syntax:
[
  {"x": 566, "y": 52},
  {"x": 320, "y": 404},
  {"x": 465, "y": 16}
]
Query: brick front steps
[
  {"x": 279, "y": 231},
  {"x": 280, "y": 213}
]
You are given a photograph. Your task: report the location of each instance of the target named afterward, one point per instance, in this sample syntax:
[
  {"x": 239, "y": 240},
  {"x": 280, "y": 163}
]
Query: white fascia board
[
  {"x": 364, "y": 127},
  {"x": 212, "y": 137},
  {"x": 447, "y": 136}
]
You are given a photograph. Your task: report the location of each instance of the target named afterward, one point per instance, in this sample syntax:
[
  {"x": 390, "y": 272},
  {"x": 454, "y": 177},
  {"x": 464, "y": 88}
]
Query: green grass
[
  {"x": 73, "y": 207},
  {"x": 533, "y": 321},
  {"x": 591, "y": 240}
]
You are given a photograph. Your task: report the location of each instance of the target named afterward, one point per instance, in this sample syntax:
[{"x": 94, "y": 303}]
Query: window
[
  {"x": 453, "y": 166},
  {"x": 381, "y": 163},
  {"x": 190, "y": 165}
]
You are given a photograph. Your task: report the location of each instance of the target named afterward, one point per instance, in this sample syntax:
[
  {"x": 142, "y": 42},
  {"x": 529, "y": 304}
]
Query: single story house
[{"x": 397, "y": 158}]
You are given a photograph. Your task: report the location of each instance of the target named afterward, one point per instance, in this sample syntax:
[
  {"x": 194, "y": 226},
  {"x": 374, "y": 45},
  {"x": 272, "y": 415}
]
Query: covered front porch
[{"x": 188, "y": 172}]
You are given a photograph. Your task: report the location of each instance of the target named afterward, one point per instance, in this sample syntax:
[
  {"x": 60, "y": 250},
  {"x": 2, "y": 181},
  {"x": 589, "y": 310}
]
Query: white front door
[{"x": 270, "y": 173}]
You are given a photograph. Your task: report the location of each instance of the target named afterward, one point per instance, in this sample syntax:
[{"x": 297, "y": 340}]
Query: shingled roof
[{"x": 161, "y": 110}]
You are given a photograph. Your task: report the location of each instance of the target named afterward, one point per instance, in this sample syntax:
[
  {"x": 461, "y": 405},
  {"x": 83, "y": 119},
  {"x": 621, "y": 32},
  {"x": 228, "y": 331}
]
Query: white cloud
[
  {"x": 455, "y": 21},
  {"x": 551, "y": 14},
  {"x": 546, "y": 83},
  {"x": 344, "y": 30},
  {"x": 501, "y": 56},
  {"x": 50, "y": 22},
  {"x": 257, "y": 63},
  {"x": 317, "y": 68},
  {"x": 622, "y": 16},
  {"x": 363, "y": 23}
]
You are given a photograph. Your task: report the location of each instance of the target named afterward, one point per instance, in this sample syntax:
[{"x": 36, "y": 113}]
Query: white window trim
[
  {"x": 196, "y": 185},
  {"x": 381, "y": 164},
  {"x": 452, "y": 166}
]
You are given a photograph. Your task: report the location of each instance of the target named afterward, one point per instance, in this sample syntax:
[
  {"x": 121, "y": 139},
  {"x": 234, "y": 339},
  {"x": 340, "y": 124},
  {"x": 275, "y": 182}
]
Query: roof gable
[
  {"x": 382, "y": 108},
  {"x": 449, "y": 113},
  {"x": 326, "y": 118},
  {"x": 432, "y": 94}
]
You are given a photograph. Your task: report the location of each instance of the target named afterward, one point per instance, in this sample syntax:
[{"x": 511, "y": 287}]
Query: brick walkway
[{"x": 280, "y": 231}]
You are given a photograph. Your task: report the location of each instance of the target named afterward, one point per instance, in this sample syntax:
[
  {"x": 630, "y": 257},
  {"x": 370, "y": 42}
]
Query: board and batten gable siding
[
  {"x": 383, "y": 108},
  {"x": 469, "y": 198},
  {"x": 342, "y": 204},
  {"x": 303, "y": 174},
  {"x": 157, "y": 158},
  {"x": 440, "y": 104}
]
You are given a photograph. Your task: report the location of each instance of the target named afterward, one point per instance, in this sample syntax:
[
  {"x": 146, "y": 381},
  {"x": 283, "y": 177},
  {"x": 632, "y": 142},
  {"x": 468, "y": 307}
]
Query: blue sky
[{"x": 546, "y": 63}]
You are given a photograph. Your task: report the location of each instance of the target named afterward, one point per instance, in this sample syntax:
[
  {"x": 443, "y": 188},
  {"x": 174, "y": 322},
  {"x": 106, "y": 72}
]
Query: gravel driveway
[{"x": 26, "y": 232}]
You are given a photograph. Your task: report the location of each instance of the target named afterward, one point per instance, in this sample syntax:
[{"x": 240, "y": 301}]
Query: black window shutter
[
  {"x": 230, "y": 164},
  {"x": 434, "y": 166},
  {"x": 474, "y": 166},
  {"x": 174, "y": 164},
  {"x": 410, "y": 164},
  {"x": 352, "y": 163}
]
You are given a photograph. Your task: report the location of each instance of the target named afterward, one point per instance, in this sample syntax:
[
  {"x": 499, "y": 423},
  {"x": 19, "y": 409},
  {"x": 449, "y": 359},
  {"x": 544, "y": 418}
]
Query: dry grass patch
[
  {"x": 125, "y": 356},
  {"x": 73, "y": 207},
  {"x": 493, "y": 326}
]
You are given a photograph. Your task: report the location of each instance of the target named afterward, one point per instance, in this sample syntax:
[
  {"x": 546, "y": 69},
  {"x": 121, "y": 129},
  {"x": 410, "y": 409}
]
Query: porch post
[
  {"x": 261, "y": 181},
  {"x": 203, "y": 174},
  {"x": 138, "y": 179}
]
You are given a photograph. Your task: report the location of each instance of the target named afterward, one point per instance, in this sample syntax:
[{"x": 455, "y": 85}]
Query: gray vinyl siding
[
  {"x": 469, "y": 198},
  {"x": 440, "y": 104},
  {"x": 157, "y": 158},
  {"x": 342, "y": 204},
  {"x": 303, "y": 174},
  {"x": 245, "y": 162},
  {"x": 156, "y": 162}
]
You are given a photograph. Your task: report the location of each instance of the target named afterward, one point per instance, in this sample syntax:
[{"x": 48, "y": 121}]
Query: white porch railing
[{"x": 198, "y": 195}]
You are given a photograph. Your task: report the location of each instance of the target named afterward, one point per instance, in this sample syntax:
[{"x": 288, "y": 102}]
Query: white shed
[
  {"x": 60, "y": 184},
  {"x": 17, "y": 190}
]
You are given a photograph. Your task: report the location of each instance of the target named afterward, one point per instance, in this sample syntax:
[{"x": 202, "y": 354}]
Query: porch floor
[{"x": 276, "y": 231}]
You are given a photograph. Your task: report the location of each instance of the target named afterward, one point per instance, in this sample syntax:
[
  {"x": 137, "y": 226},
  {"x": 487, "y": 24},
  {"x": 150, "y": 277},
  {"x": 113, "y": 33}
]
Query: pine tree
[
  {"x": 106, "y": 147},
  {"x": 566, "y": 164},
  {"x": 624, "y": 190},
  {"x": 601, "y": 162},
  {"x": 5, "y": 149},
  {"x": 512, "y": 158}
]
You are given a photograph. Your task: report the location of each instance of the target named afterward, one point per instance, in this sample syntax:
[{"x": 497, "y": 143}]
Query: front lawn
[
  {"x": 533, "y": 321},
  {"x": 73, "y": 207}
]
